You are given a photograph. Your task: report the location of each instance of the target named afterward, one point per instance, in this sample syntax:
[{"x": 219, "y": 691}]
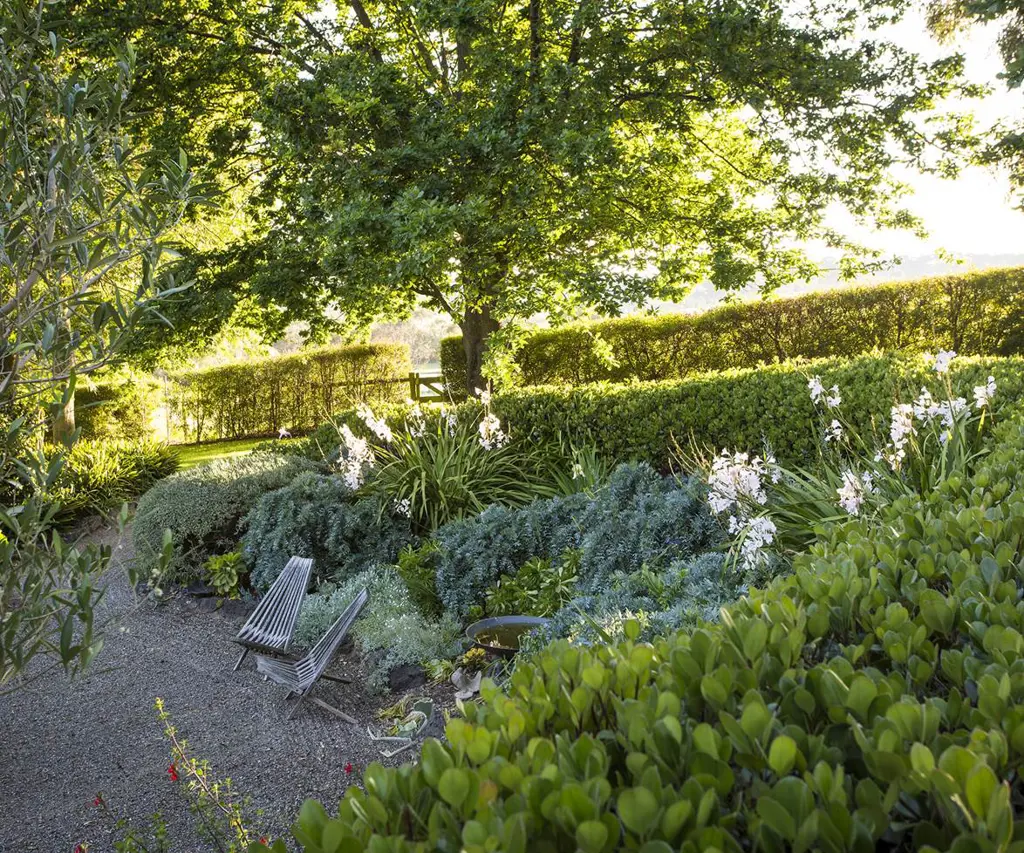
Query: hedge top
[{"x": 972, "y": 313}]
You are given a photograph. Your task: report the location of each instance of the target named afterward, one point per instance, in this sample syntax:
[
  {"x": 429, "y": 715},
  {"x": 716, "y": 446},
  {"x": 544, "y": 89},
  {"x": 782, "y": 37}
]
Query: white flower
[
  {"x": 577, "y": 471},
  {"x": 940, "y": 364},
  {"x": 415, "y": 424},
  {"x": 816, "y": 388},
  {"x": 356, "y": 458},
  {"x": 834, "y": 398},
  {"x": 735, "y": 479},
  {"x": 901, "y": 428},
  {"x": 851, "y": 493},
  {"x": 757, "y": 534},
  {"x": 378, "y": 426},
  {"x": 403, "y": 507},
  {"x": 491, "y": 436},
  {"x": 834, "y": 431},
  {"x": 983, "y": 394},
  {"x": 485, "y": 396},
  {"x": 924, "y": 406},
  {"x": 774, "y": 471}
]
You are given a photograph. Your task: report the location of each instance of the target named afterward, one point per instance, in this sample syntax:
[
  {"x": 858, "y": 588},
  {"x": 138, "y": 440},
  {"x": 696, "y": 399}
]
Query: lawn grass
[{"x": 199, "y": 454}]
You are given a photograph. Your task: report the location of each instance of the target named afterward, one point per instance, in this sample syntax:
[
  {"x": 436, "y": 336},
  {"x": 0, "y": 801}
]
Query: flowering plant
[{"x": 930, "y": 442}]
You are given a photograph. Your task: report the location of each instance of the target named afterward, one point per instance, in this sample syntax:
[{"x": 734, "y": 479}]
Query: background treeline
[
  {"x": 251, "y": 399},
  {"x": 972, "y": 313}
]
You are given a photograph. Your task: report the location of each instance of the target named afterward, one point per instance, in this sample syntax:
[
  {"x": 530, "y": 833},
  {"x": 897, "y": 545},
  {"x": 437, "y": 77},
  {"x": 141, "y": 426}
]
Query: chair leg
[
  {"x": 295, "y": 707},
  {"x": 336, "y": 711},
  {"x": 238, "y": 663}
]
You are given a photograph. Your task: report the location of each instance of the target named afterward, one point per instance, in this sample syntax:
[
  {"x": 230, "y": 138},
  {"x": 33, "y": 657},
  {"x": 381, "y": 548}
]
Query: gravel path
[{"x": 61, "y": 742}]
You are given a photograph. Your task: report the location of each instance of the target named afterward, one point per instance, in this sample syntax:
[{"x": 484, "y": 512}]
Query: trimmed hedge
[
  {"x": 740, "y": 409},
  {"x": 872, "y": 700},
  {"x": 259, "y": 397},
  {"x": 978, "y": 313}
]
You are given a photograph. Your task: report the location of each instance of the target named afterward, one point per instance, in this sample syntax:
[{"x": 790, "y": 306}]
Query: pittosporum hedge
[
  {"x": 739, "y": 409},
  {"x": 871, "y": 700},
  {"x": 294, "y": 392},
  {"x": 978, "y": 313}
]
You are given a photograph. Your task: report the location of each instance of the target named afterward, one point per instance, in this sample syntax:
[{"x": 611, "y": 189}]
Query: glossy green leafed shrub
[
  {"x": 739, "y": 409},
  {"x": 872, "y": 700},
  {"x": 203, "y": 506},
  {"x": 974, "y": 313}
]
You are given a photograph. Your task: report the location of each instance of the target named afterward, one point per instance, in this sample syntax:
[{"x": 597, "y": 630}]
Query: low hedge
[
  {"x": 740, "y": 409},
  {"x": 977, "y": 313},
  {"x": 295, "y": 392},
  {"x": 871, "y": 700}
]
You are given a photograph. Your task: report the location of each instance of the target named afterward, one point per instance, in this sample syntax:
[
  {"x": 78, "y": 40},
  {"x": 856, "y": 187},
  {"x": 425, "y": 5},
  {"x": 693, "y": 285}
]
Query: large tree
[{"x": 496, "y": 159}]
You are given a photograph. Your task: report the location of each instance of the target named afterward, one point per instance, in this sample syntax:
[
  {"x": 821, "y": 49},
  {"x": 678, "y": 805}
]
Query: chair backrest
[
  {"x": 272, "y": 623},
  {"x": 311, "y": 667}
]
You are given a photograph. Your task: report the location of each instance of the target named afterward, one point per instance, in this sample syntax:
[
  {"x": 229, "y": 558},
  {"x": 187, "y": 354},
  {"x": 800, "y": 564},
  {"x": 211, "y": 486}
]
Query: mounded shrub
[
  {"x": 316, "y": 515},
  {"x": 203, "y": 506},
  {"x": 740, "y": 409},
  {"x": 261, "y": 396},
  {"x": 976, "y": 313},
  {"x": 390, "y": 631},
  {"x": 870, "y": 700},
  {"x": 638, "y": 518}
]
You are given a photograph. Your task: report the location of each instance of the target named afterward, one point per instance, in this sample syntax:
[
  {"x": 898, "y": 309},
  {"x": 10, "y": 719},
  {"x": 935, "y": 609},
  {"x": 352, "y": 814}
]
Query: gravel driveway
[{"x": 62, "y": 742}]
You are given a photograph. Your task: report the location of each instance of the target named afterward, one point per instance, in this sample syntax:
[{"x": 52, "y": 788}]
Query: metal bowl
[{"x": 500, "y": 634}]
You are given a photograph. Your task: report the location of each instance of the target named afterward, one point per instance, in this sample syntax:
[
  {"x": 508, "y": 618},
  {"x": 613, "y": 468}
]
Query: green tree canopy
[{"x": 495, "y": 159}]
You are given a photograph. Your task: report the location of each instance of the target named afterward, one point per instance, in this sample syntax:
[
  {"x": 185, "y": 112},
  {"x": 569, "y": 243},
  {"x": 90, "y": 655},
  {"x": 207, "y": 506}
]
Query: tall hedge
[
  {"x": 296, "y": 392},
  {"x": 736, "y": 408},
  {"x": 972, "y": 313}
]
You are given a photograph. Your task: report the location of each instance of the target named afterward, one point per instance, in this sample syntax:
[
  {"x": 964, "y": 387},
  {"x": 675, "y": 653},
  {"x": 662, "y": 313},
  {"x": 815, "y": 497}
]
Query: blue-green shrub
[
  {"x": 638, "y": 518},
  {"x": 203, "y": 506},
  {"x": 317, "y": 515}
]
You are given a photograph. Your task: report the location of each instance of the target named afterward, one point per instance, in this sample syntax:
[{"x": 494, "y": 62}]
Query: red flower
[
  {"x": 348, "y": 768},
  {"x": 263, "y": 839},
  {"x": 172, "y": 771},
  {"x": 98, "y": 801},
  {"x": 81, "y": 848}
]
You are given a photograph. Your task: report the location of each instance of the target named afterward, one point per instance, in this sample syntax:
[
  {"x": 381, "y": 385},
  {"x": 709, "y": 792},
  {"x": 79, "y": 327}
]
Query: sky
[{"x": 973, "y": 214}]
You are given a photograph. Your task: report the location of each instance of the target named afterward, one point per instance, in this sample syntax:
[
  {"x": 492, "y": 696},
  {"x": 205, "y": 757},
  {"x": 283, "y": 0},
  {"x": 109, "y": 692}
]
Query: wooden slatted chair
[
  {"x": 270, "y": 627},
  {"x": 301, "y": 676}
]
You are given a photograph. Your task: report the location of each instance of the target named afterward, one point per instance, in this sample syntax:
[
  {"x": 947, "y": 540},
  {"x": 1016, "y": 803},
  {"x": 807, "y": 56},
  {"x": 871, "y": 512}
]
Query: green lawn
[{"x": 198, "y": 454}]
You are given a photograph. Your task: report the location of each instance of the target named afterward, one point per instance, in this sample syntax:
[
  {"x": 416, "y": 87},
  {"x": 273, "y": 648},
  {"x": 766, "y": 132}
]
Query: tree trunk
[{"x": 477, "y": 326}]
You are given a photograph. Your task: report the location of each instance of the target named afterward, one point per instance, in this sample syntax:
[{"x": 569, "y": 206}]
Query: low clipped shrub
[
  {"x": 870, "y": 700},
  {"x": 735, "y": 409},
  {"x": 638, "y": 518},
  {"x": 390, "y": 631},
  {"x": 202, "y": 507},
  {"x": 318, "y": 516},
  {"x": 99, "y": 476}
]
